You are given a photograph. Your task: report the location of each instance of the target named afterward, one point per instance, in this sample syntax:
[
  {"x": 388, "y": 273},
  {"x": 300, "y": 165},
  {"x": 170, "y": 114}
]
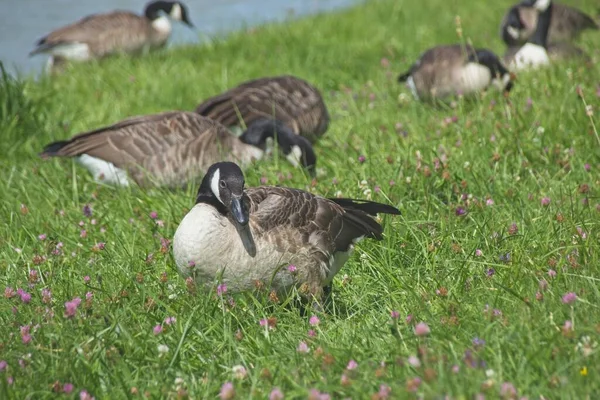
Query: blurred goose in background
[
  {"x": 100, "y": 35},
  {"x": 448, "y": 70},
  {"x": 288, "y": 99},
  {"x": 172, "y": 148},
  {"x": 277, "y": 236},
  {"x": 566, "y": 24},
  {"x": 534, "y": 53}
]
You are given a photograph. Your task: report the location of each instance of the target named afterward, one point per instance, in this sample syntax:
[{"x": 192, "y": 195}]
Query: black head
[
  {"x": 223, "y": 187},
  {"x": 297, "y": 149},
  {"x": 511, "y": 30},
  {"x": 501, "y": 77},
  {"x": 174, "y": 9},
  {"x": 540, "y": 5}
]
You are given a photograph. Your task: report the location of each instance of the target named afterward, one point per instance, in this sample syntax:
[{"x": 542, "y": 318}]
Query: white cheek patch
[
  {"x": 176, "y": 12},
  {"x": 410, "y": 82},
  {"x": 542, "y": 5},
  {"x": 214, "y": 184},
  {"x": 295, "y": 156},
  {"x": 513, "y": 32}
]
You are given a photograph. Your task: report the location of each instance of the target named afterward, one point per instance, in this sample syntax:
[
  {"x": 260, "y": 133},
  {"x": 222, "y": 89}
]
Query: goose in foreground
[
  {"x": 172, "y": 148},
  {"x": 566, "y": 24},
  {"x": 534, "y": 53},
  {"x": 448, "y": 70},
  {"x": 281, "y": 237},
  {"x": 289, "y": 99},
  {"x": 100, "y": 35}
]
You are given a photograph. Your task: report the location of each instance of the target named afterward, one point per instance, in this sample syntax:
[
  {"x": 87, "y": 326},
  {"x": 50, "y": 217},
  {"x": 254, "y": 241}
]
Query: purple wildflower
[
  {"x": 569, "y": 298},
  {"x": 227, "y": 391},
  {"x": 545, "y": 201},
  {"x": 87, "y": 210},
  {"x": 314, "y": 320},
  {"x": 276, "y": 394},
  {"x": 221, "y": 289},
  {"x": 460, "y": 211},
  {"x": 352, "y": 365},
  {"x": 361, "y": 159},
  {"x": 422, "y": 329},
  {"x": 25, "y": 297},
  {"x": 302, "y": 348},
  {"x": 71, "y": 307}
]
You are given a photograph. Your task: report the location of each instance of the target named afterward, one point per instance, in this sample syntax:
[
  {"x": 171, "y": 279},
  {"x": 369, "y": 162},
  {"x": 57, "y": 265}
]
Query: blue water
[{"x": 23, "y": 22}]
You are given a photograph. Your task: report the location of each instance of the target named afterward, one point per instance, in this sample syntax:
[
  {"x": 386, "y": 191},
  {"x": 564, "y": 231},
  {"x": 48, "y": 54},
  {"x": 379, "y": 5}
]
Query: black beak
[{"x": 237, "y": 210}]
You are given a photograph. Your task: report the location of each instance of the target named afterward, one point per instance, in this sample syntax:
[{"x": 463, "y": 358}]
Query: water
[{"x": 23, "y": 22}]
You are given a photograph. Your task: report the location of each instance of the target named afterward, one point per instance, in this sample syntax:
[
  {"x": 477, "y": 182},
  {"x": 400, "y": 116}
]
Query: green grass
[{"x": 433, "y": 264}]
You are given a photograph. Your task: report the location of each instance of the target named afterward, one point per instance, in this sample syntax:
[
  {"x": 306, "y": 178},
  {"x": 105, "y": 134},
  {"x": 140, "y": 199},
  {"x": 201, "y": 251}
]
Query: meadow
[{"x": 487, "y": 285}]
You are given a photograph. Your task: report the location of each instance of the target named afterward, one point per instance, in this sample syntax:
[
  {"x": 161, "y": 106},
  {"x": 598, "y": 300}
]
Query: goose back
[{"x": 288, "y": 99}]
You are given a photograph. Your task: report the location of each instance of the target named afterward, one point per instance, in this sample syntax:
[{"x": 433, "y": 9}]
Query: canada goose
[
  {"x": 534, "y": 53},
  {"x": 99, "y": 35},
  {"x": 450, "y": 69},
  {"x": 566, "y": 24},
  {"x": 173, "y": 147},
  {"x": 245, "y": 236},
  {"x": 286, "y": 98}
]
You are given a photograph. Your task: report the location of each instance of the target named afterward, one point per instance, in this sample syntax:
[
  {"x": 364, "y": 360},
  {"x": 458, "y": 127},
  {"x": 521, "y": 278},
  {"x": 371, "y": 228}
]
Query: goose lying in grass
[
  {"x": 172, "y": 148},
  {"x": 284, "y": 238},
  {"x": 291, "y": 100}
]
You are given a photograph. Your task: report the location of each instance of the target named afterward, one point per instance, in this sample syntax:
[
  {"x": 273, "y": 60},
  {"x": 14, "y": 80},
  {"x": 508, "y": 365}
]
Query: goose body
[
  {"x": 566, "y": 24},
  {"x": 556, "y": 52},
  {"x": 291, "y": 100},
  {"x": 99, "y": 35},
  {"x": 170, "y": 148},
  {"x": 534, "y": 54},
  {"x": 448, "y": 70},
  {"x": 244, "y": 236}
]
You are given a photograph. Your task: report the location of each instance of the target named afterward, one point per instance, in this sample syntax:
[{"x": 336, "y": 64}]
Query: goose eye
[{"x": 222, "y": 184}]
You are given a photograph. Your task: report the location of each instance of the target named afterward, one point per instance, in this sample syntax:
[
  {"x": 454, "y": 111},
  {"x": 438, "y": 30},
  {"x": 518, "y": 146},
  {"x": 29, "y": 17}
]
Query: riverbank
[{"x": 486, "y": 284}]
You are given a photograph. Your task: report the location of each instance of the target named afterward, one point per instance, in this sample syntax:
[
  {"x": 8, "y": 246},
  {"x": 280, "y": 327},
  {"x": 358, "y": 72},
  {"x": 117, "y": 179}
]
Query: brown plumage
[
  {"x": 566, "y": 24},
  {"x": 288, "y": 99},
  {"x": 447, "y": 70},
  {"x": 167, "y": 148},
  {"x": 99, "y": 35},
  {"x": 249, "y": 235}
]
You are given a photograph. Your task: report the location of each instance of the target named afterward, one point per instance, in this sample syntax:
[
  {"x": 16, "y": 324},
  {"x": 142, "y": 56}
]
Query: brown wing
[
  {"x": 298, "y": 217},
  {"x": 289, "y": 99},
  {"x": 568, "y": 22},
  {"x": 104, "y": 33},
  {"x": 167, "y": 145}
]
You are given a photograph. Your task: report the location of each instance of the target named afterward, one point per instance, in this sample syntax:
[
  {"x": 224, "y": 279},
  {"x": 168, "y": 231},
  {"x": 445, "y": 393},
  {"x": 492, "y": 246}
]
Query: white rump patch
[
  {"x": 530, "y": 56},
  {"x": 104, "y": 171},
  {"x": 475, "y": 77},
  {"x": 410, "y": 82},
  {"x": 162, "y": 24},
  {"x": 295, "y": 156},
  {"x": 73, "y": 51},
  {"x": 176, "y": 12},
  {"x": 214, "y": 184}
]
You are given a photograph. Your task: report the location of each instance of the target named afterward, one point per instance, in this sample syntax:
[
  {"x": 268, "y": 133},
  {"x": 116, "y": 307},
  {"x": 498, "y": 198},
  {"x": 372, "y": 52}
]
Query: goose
[
  {"x": 446, "y": 70},
  {"x": 283, "y": 237},
  {"x": 289, "y": 99},
  {"x": 534, "y": 53},
  {"x": 566, "y": 24},
  {"x": 170, "y": 148},
  {"x": 100, "y": 35}
]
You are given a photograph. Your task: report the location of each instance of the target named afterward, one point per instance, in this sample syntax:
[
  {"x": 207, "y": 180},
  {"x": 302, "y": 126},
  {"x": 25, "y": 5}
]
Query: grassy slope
[{"x": 426, "y": 267}]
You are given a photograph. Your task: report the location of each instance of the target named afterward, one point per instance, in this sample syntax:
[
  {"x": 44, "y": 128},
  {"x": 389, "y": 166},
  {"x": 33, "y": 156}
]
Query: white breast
[
  {"x": 162, "y": 25},
  {"x": 207, "y": 246},
  {"x": 530, "y": 56},
  {"x": 104, "y": 171},
  {"x": 474, "y": 77}
]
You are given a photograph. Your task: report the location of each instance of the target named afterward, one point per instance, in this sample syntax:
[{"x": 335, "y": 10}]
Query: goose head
[
  {"x": 513, "y": 27},
  {"x": 501, "y": 78},
  {"x": 297, "y": 149},
  {"x": 223, "y": 187},
  {"x": 174, "y": 9}
]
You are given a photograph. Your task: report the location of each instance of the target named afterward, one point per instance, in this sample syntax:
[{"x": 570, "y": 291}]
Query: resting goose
[
  {"x": 447, "y": 70},
  {"x": 534, "y": 53},
  {"x": 244, "y": 236},
  {"x": 566, "y": 24},
  {"x": 100, "y": 35},
  {"x": 170, "y": 148},
  {"x": 289, "y": 99}
]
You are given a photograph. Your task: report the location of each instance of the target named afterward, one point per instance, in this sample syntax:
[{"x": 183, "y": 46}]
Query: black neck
[{"x": 540, "y": 36}]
